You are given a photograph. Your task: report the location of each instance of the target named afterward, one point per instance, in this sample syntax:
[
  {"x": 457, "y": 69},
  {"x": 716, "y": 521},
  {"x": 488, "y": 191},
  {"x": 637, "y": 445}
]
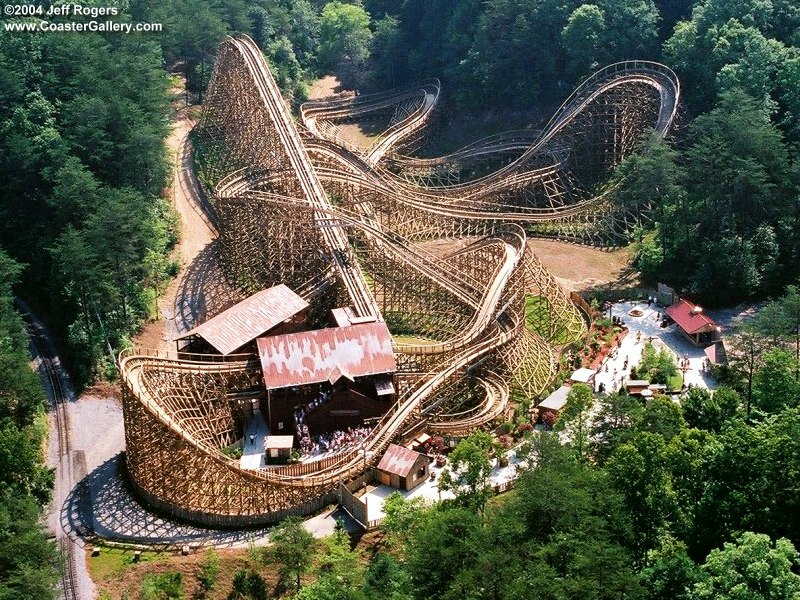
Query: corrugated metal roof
[
  {"x": 398, "y": 460},
  {"x": 557, "y": 400},
  {"x": 250, "y": 318},
  {"x": 690, "y": 317},
  {"x": 582, "y": 375},
  {"x": 326, "y": 355}
]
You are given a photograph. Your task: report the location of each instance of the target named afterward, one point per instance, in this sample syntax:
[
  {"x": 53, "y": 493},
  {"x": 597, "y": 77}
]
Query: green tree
[
  {"x": 657, "y": 365},
  {"x": 344, "y": 40},
  {"x": 194, "y": 31},
  {"x": 387, "y": 578},
  {"x": 775, "y": 385},
  {"x": 614, "y": 423},
  {"x": 402, "y": 515},
  {"x": 753, "y": 567},
  {"x": 440, "y": 548},
  {"x": 790, "y": 304},
  {"x": 291, "y": 550},
  {"x": 689, "y": 458},
  {"x": 248, "y": 585},
  {"x": 748, "y": 346},
  {"x": 29, "y": 564},
  {"x": 670, "y": 572},
  {"x": 574, "y": 418},
  {"x": 584, "y": 37},
  {"x": 469, "y": 470},
  {"x": 386, "y": 50},
  {"x": 710, "y": 411},
  {"x": 339, "y": 573},
  {"x": 663, "y": 417},
  {"x": 638, "y": 471}
]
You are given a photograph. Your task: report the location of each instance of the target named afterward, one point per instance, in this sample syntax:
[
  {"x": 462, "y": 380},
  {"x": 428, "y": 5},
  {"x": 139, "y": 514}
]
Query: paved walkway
[
  {"x": 613, "y": 372},
  {"x": 429, "y": 490},
  {"x": 255, "y": 432}
]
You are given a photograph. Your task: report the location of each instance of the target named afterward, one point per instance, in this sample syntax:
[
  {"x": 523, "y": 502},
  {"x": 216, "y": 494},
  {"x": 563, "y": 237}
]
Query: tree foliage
[{"x": 753, "y": 567}]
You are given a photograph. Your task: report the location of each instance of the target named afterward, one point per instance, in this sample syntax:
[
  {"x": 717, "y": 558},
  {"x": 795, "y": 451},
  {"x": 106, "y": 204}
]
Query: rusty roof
[
  {"x": 250, "y": 318},
  {"x": 326, "y": 355},
  {"x": 690, "y": 317},
  {"x": 398, "y": 460}
]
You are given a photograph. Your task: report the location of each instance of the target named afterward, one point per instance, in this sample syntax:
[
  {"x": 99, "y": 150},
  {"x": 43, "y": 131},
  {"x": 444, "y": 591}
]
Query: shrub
[
  {"x": 248, "y": 585},
  {"x": 209, "y": 570},
  {"x": 162, "y": 586},
  {"x": 524, "y": 429},
  {"x": 549, "y": 419}
]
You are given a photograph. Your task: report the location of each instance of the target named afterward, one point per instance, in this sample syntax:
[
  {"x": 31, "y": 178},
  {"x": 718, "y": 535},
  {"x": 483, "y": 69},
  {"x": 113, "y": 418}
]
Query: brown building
[
  {"x": 276, "y": 310},
  {"x": 698, "y": 327},
  {"x": 337, "y": 377},
  {"x": 402, "y": 468}
]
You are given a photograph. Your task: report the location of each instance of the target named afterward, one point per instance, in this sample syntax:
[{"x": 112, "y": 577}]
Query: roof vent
[{"x": 696, "y": 310}]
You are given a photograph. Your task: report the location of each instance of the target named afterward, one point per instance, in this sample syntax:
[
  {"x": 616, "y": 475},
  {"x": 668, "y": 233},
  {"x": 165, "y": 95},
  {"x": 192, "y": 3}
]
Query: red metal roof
[
  {"x": 690, "y": 317},
  {"x": 326, "y": 355},
  {"x": 398, "y": 460},
  {"x": 717, "y": 354},
  {"x": 250, "y": 318}
]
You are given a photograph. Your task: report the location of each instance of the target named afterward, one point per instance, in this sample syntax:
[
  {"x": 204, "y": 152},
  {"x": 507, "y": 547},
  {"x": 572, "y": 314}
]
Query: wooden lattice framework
[{"x": 353, "y": 226}]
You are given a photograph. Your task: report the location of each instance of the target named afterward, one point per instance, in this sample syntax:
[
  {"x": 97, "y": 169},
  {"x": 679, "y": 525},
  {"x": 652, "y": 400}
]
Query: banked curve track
[{"x": 297, "y": 206}]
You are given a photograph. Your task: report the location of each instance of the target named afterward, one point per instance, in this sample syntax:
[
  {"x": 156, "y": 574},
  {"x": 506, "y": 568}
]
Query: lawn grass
[{"x": 112, "y": 562}]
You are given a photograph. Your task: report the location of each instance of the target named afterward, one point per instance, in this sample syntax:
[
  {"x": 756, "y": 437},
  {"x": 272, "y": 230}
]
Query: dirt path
[{"x": 198, "y": 233}]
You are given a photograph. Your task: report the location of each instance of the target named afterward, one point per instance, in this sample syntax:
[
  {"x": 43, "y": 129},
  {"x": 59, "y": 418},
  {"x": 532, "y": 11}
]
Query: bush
[
  {"x": 209, "y": 570},
  {"x": 524, "y": 429},
  {"x": 505, "y": 428},
  {"x": 549, "y": 419},
  {"x": 162, "y": 586},
  {"x": 248, "y": 585}
]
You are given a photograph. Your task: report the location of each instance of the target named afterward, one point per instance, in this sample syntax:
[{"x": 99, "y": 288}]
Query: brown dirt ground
[
  {"x": 583, "y": 268},
  {"x": 103, "y": 389},
  {"x": 326, "y": 87}
]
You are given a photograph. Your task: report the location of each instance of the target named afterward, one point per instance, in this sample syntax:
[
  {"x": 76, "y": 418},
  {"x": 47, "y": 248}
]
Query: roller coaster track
[
  {"x": 424, "y": 97},
  {"x": 331, "y": 218},
  {"x": 334, "y": 237}
]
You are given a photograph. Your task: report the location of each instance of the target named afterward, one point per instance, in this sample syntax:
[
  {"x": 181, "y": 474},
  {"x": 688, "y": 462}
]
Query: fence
[{"x": 353, "y": 505}]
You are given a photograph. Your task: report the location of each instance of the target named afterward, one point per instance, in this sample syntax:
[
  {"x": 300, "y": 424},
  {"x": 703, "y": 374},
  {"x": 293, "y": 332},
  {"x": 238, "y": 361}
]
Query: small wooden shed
[
  {"x": 279, "y": 446},
  {"x": 556, "y": 401},
  {"x": 402, "y": 468}
]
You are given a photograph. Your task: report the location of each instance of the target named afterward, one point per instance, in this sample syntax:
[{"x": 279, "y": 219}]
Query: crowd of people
[
  {"x": 336, "y": 441},
  {"x": 325, "y": 442},
  {"x": 300, "y": 413}
]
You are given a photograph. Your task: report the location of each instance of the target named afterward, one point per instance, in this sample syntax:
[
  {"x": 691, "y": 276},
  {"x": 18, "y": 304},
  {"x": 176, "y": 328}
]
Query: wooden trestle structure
[{"x": 341, "y": 226}]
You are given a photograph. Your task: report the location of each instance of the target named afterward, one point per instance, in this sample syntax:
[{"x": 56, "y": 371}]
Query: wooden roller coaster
[{"x": 344, "y": 225}]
